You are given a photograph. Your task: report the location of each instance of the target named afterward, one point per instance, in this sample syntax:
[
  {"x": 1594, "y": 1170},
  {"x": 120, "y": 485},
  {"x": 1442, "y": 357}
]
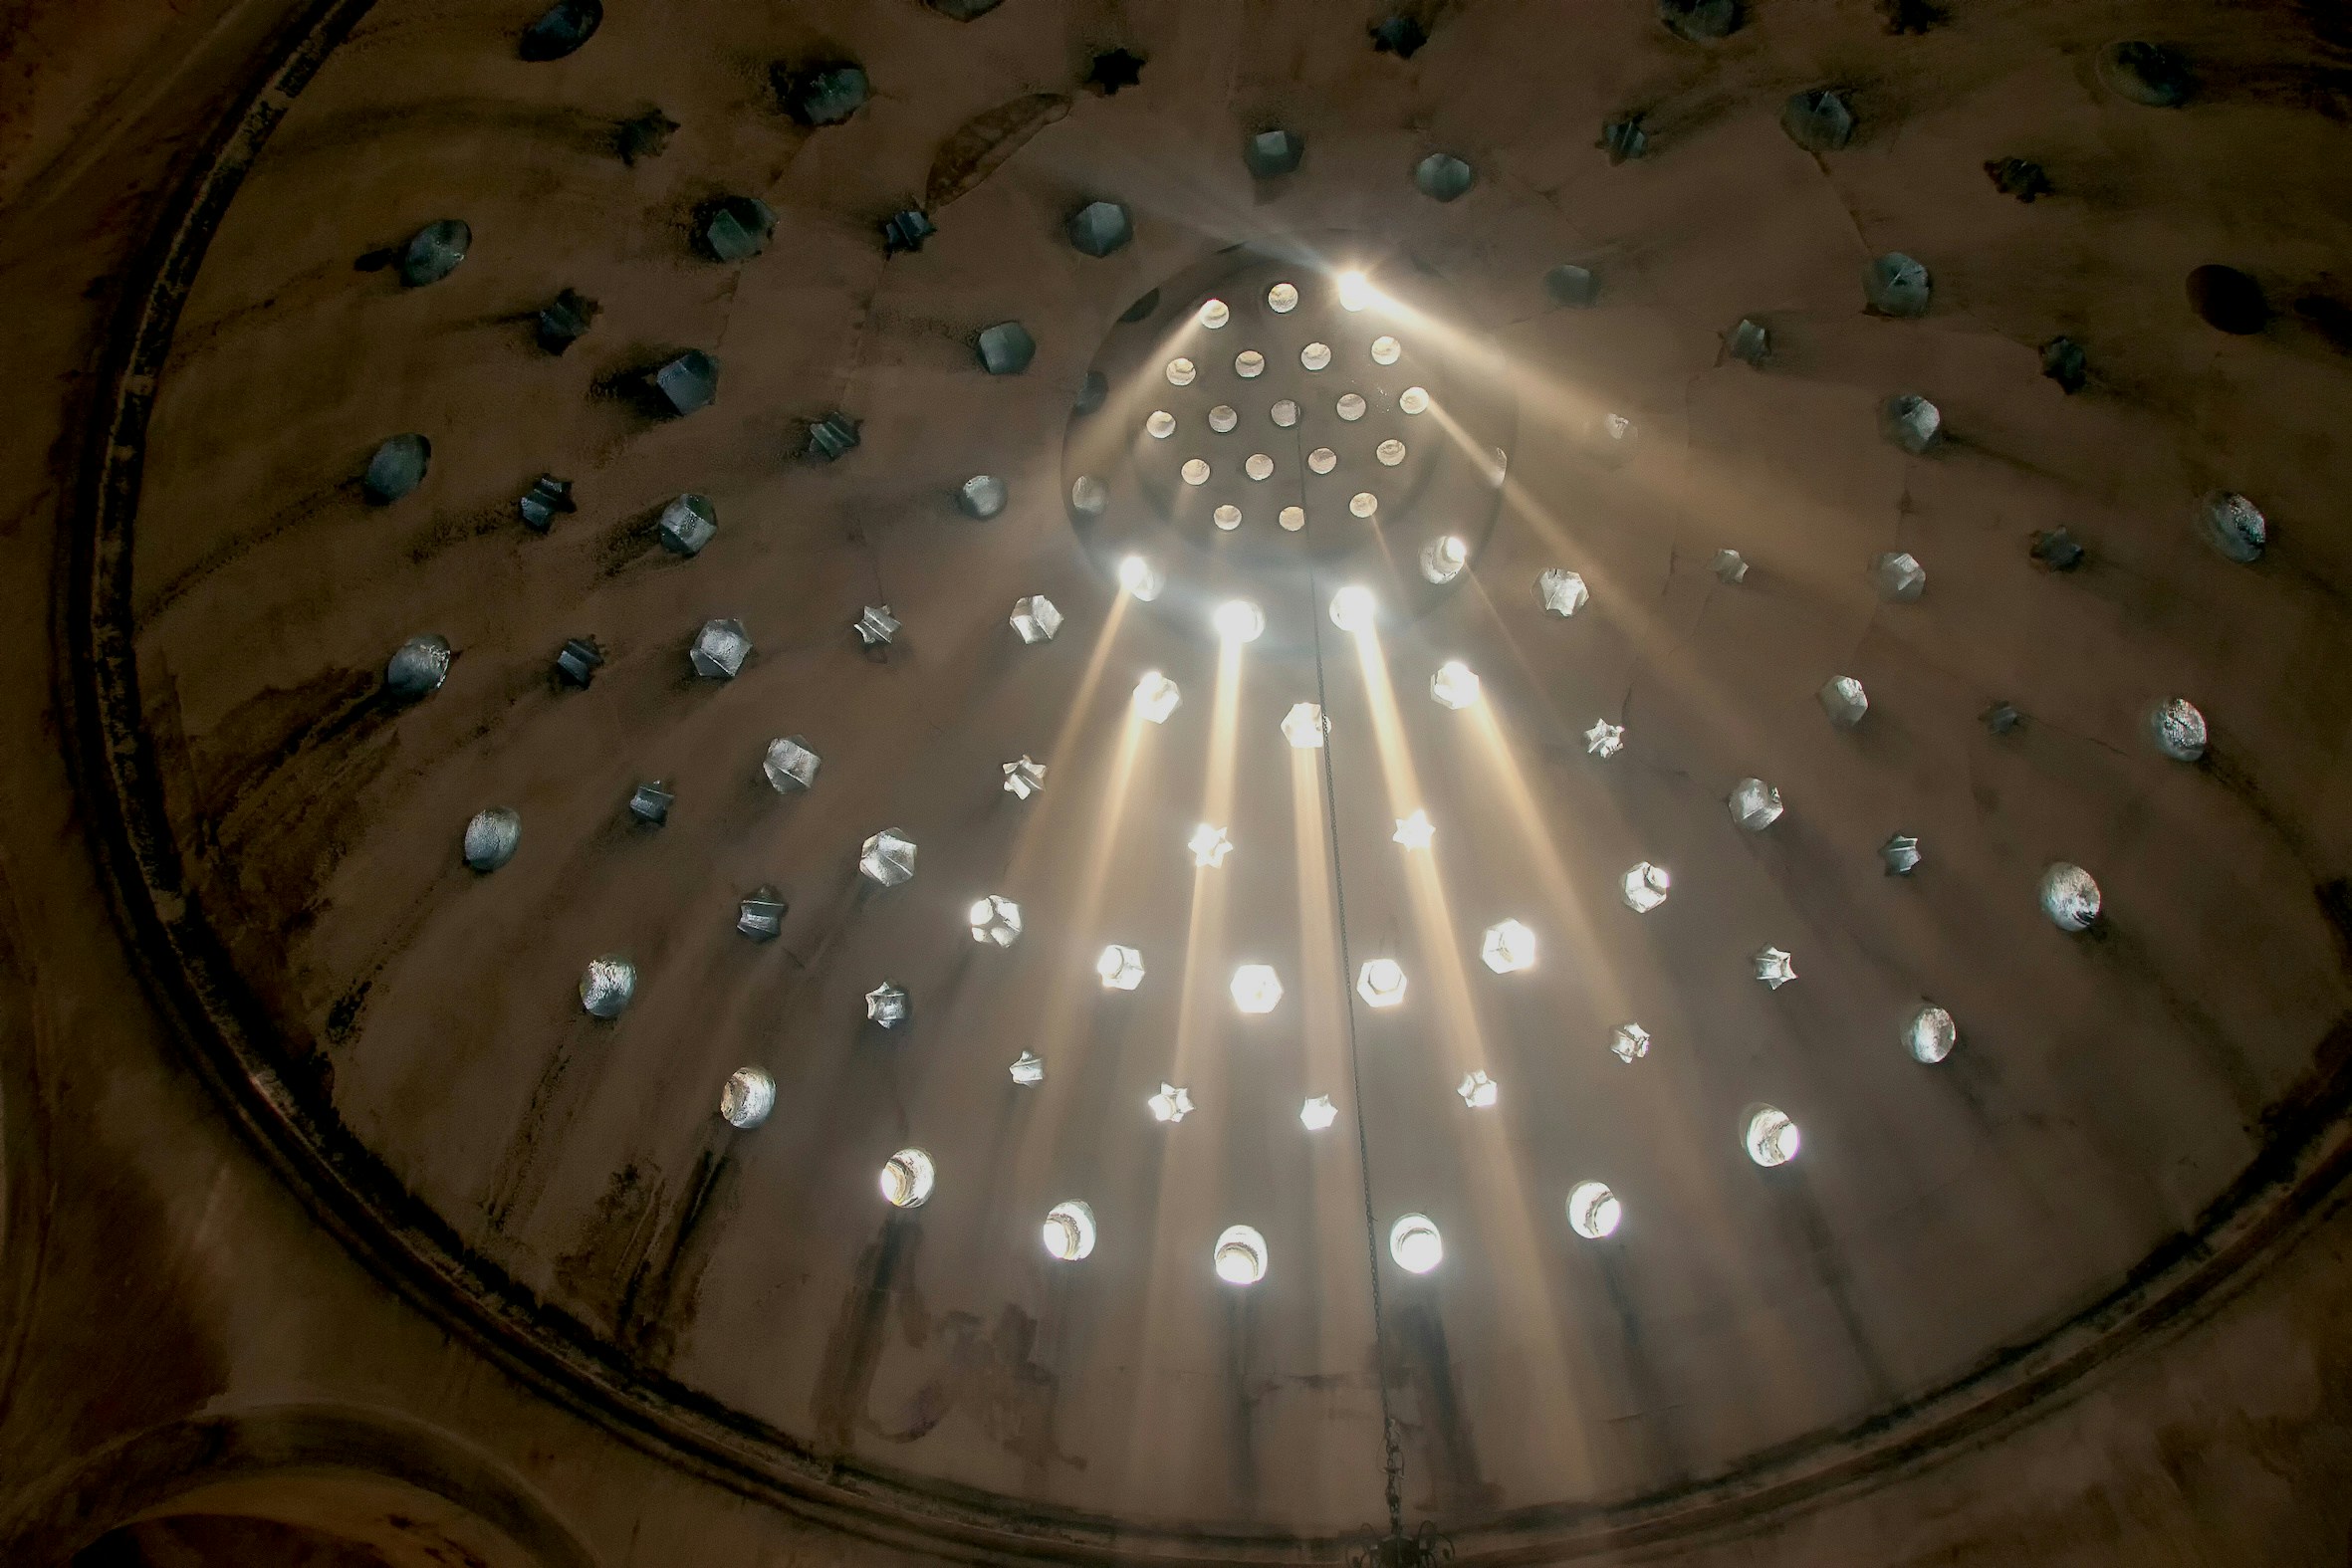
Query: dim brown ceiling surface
[{"x": 2113, "y": 1090}]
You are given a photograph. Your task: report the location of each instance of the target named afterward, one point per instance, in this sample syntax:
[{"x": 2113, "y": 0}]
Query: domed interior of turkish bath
[{"x": 1161, "y": 784}]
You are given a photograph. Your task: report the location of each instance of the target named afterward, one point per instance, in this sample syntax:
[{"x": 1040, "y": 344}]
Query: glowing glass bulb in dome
[
  {"x": 1238, "y": 620},
  {"x": 1069, "y": 1232},
  {"x": 1122, "y": 967},
  {"x": 1382, "y": 983},
  {"x": 1508, "y": 948},
  {"x": 1772, "y": 1137},
  {"x": 1240, "y": 1256},
  {"x": 1256, "y": 989},
  {"x": 1356, "y": 291},
  {"x": 1593, "y": 1211},
  {"x": 1156, "y": 697},
  {"x": 1141, "y": 578},
  {"x": 1454, "y": 685},
  {"x": 1415, "y": 1245},
  {"x": 1351, "y": 608}
]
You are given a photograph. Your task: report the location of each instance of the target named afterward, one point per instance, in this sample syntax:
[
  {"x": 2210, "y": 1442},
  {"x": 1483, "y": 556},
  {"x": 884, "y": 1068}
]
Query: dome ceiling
[{"x": 1658, "y": 324}]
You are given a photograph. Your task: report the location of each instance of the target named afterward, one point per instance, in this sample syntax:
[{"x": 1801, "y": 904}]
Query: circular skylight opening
[
  {"x": 1141, "y": 578},
  {"x": 1181, "y": 371},
  {"x": 1216, "y": 314},
  {"x": 1593, "y": 1211},
  {"x": 1770, "y": 1137},
  {"x": 907, "y": 1178},
  {"x": 1240, "y": 1256},
  {"x": 1161, "y": 424},
  {"x": 1352, "y": 608},
  {"x": 606, "y": 986},
  {"x": 2071, "y": 897},
  {"x": 747, "y": 1099},
  {"x": 1195, "y": 471},
  {"x": 1315, "y": 356},
  {"x": 2234, "y": 525},
  {"x": 1239, "y": 621},
  {"x": 1283, "y": 298},
  {"x": 1415, "y": 1245},
  {"x": 1322, "y": 460},
  {"x": 1227, "y": 516},
  {"x": 1386, "y": 349},
  {"x": 1293, "y": 519},
  {"x": 1069, "y": 1231},
  {"x": 1249, "y": 364},
  {"x": 1259, "y": 467},
  {"x": 418, "y": 666},
  {"x": 1351, "y": 407},
  {"x": 1413, "y": 400},
  {"x": 1285, "y": 412},
  {"x": 1364, "y": 503},
  {"x": 2177, "y": 729},
  {"x": 1356, "y": 291},
  {"x": 1390, "y": 452},
  {"x": 1441, "y": 560},
  {"x": 492, "y": 838},
  {"x": 1931, "y": 1033},
  {"x": 1223, "y": 418}
]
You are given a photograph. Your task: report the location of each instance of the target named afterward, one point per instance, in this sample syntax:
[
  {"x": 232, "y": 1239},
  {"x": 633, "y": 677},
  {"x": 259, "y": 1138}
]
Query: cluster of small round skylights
[{"x": 1199, "y": 467}]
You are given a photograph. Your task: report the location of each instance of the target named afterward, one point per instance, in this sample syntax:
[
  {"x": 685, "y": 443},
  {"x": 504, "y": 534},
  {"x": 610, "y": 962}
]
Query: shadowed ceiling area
[{"x": 723, "y": 652}]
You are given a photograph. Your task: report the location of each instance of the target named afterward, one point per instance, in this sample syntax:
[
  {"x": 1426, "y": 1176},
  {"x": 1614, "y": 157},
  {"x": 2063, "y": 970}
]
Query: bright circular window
[
  {"x": 1240, "y": 1256},
  {"x": 1415, "y": 1245},
  {"x": 1069, "y": 1231},
  {"x": 908, "y": 1177},
  {"x": 1593, "y": 1211},
  {"x": 1770, "y": 1137}
]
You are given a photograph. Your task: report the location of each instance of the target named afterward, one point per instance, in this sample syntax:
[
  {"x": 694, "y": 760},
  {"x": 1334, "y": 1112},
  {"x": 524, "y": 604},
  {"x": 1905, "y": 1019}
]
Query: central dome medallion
[{"x": 1274, "y": 418}]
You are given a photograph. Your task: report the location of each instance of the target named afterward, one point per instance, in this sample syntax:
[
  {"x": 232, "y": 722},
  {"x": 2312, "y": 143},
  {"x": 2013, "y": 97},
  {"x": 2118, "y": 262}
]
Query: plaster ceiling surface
[{"x": 2110, "y": 1086}]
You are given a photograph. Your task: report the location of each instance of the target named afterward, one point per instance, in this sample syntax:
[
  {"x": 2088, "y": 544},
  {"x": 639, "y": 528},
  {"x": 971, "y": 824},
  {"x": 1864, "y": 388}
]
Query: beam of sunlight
[
  {"x": 1432, "y": 917},
  {"x": 1693, "y": 489},
  {"x": 1034, "y": 826},
  {"x": 1518, "y": 1235},
  {"x": 1687, "y": 1158},
  {"x": 1319, "y": 959},
  {"x": 1075, "y": 981},
  {"x": 1535, "y": 836},
  {"x": 1194, "y": 1162},
  {"x": 1664, "y": 650},
  {"x": 1205, "y": 931},
  {"x": 1342, "y": 1320}
]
